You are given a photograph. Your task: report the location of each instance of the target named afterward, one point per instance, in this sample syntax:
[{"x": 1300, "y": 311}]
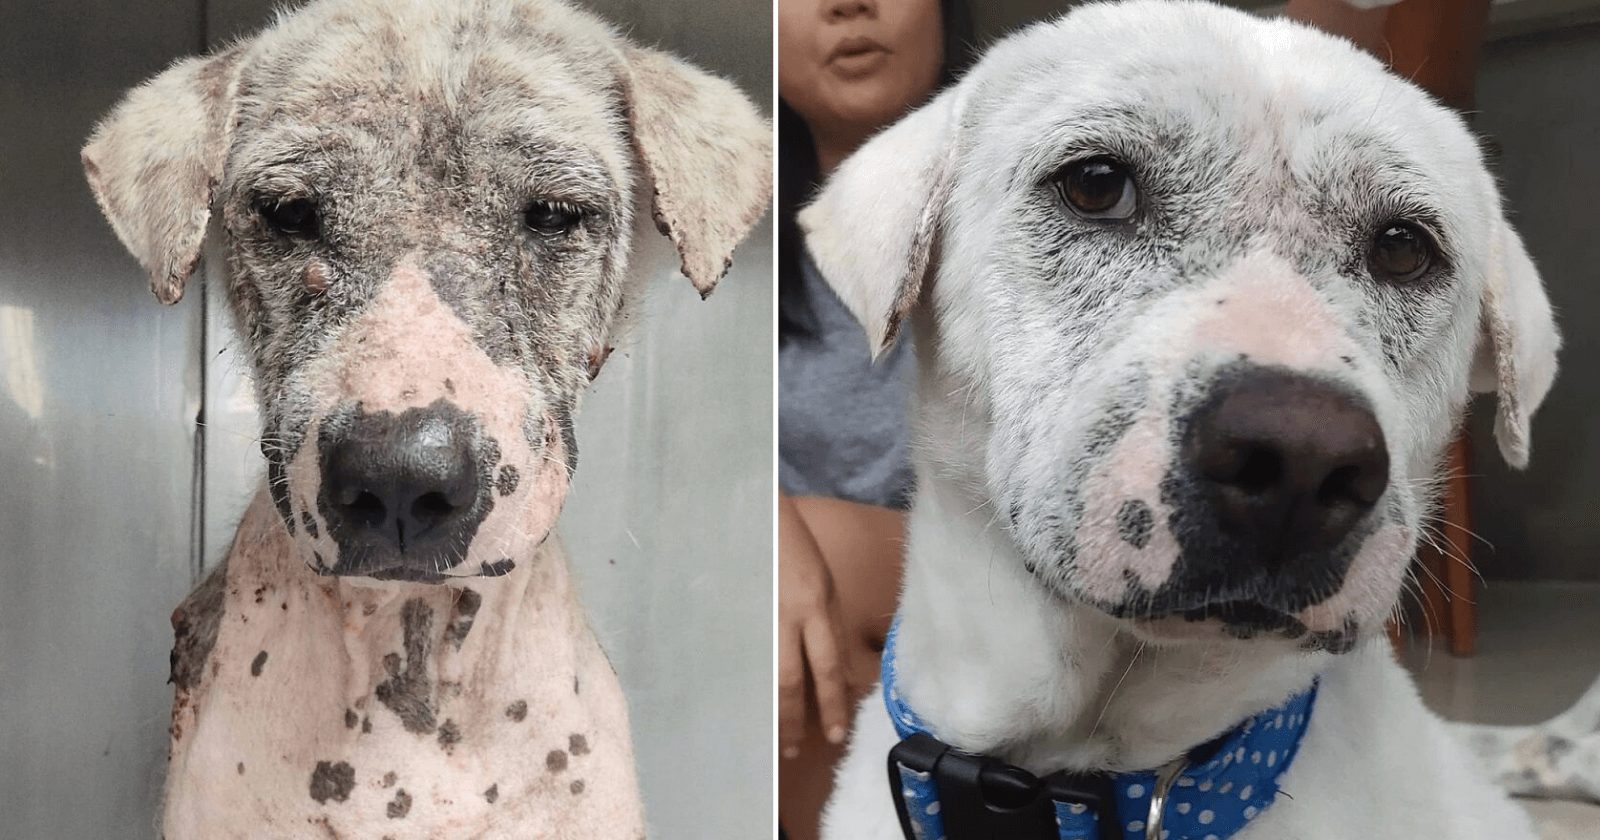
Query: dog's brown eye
[
  {"x": 1098, "y": 188},
  {"x": 294, "y": 216},
  {"x": 1401, "y": 253},
  {"x": 551, "y": 218}
]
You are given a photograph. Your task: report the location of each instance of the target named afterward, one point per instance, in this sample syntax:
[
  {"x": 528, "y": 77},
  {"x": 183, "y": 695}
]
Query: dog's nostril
[
  {"x": 1288, "y": 463},
  {"x": 431, "y": 508},
  {"x": 1360, "y": 484},
  {"x": 1260, "y": 470},
  {"x": 366, "y": 509},
  {"x": 1340, "y": 487}
]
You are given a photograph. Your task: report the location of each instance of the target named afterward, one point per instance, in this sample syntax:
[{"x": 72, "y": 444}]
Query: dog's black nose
[
  {"x": 1291, "y": 463},
  {"x": 402, "y": 484}
]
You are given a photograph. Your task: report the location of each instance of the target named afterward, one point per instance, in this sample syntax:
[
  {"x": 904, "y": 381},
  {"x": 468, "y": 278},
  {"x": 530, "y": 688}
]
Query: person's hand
[{"x": 808, "y": 637}]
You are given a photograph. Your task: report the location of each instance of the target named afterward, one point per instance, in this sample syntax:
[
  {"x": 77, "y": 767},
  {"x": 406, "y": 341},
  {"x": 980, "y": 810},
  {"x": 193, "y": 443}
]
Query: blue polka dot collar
[{"x": 944, "y": 794}]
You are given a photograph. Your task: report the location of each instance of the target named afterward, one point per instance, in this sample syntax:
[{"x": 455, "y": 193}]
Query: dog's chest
[{"x": 414, "y": 721}]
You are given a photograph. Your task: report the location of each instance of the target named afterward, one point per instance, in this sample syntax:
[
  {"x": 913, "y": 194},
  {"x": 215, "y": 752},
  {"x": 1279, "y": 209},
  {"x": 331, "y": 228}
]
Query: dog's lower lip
[{"x": 1253, "y": 613}]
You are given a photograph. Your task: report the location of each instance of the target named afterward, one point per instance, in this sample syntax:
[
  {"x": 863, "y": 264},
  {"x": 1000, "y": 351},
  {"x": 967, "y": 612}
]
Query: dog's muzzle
[
  {"x": 1278, "y": 475},
  {"x": 403, "y": 494}
]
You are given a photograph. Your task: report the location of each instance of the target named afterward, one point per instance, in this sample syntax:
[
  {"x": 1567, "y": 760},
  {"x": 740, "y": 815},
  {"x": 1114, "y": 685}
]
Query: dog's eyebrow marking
[
  {"x": 1135, "y": 522},
  {"x": 1130, "y": 133}
]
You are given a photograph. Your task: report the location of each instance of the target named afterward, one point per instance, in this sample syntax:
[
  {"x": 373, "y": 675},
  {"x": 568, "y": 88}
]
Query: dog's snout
[
  {"x": 406, "y": 484},
  {"x": 1292, "y": 463}
]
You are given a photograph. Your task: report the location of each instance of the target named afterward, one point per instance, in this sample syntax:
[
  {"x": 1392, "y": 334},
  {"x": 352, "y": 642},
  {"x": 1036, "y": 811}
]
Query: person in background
[{"x": 846, "y": 68}]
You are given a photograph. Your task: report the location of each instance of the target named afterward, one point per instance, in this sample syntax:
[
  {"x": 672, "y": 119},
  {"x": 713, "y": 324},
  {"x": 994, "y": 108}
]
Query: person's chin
[{"x": 872, "y": 101}]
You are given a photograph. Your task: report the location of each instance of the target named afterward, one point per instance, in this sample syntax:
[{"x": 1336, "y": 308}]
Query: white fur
[{"x": 1249, "y": 131}]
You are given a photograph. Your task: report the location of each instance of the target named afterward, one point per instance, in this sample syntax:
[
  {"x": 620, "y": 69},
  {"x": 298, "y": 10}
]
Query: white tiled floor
[{"x": 1538, "y": 649}]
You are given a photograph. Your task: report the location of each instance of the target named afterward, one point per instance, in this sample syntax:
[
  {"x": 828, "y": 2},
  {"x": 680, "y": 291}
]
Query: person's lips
[{"x": 857, "y": 56}]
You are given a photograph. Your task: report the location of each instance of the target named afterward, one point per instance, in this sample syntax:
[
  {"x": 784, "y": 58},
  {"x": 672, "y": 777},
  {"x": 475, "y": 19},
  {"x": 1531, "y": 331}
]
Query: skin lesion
[{"x": 194, "y": 627}]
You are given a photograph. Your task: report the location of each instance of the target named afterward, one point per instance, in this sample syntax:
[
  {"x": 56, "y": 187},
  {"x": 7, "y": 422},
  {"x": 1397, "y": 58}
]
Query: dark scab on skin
[
  {"x": 408, "y": 692},
  {"x": 578, "y": 745},
  {"x": 508, "y": 479},
  {"x": 449, "y": 734},
  {"x": 194, "y": 629},
  {"x": 576, "y": 787},
  {"x": 258, "y": 663},
  {"x": 1336, "y": 642},
  {"x": 497, "y": 568},
  {"x": 399, "y": 806},
  {"x": 492, "y": 794},
  {"x": 517, "y": 711},
  {"x": 556, "y": 761},
  {"x": 351, "y": 719},
  {"x": 389, "y": 779},
  {"x": 332, "y": 780},
  {"x": 467, "y": 604},
  {"x": 1135, "y": 523}
]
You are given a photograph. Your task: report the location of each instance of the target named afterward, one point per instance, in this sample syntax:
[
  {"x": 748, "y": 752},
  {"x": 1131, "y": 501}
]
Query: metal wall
[{"x": 112, "y": 500}]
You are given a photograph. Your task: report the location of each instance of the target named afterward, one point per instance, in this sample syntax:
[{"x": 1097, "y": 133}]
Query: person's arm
[{"x": 808, "y": 636}]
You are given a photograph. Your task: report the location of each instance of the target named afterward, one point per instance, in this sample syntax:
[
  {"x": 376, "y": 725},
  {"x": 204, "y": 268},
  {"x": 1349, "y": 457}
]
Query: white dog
[
  {"x": 429, "y": 218},
  {"x": 1199, "y": 300}
]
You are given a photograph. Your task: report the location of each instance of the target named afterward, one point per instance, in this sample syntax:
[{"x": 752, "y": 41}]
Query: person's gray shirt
[{"x": 842, "y": 429}]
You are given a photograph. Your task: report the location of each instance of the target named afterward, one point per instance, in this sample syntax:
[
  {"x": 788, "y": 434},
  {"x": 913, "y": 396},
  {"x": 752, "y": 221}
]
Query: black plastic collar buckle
[{"x": 982, "y": 799}]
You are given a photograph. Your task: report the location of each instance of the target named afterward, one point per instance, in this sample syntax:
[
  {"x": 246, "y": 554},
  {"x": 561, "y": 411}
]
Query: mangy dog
[
  {"x": 423, "y": 213},
  {"x": 1199, "y": 299}
]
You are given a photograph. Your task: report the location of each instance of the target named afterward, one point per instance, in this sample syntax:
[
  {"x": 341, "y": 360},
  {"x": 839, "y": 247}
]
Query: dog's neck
[
  {"x": 996, "y": 664},
  {"x": 462, "y": 628}
]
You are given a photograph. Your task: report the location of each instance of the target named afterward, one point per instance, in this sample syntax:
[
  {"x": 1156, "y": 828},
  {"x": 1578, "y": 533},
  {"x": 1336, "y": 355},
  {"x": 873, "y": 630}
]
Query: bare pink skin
[
  {"x": 527, "y": 733},
  {"x": 1269, "y": 312},
  {"x": 406, "y": 351},
  {"x": 1260, "y": 309},
  {"x": 563, "y": 768},
  {"x": 1133, "y": 470}
]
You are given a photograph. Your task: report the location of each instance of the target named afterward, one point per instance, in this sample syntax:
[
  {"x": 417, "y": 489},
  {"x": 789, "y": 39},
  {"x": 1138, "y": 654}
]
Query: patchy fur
[
  {"x": 370, "y": 690},
  {"x": 431, "y": 220},
  {"x": 1067, "y": 604}
]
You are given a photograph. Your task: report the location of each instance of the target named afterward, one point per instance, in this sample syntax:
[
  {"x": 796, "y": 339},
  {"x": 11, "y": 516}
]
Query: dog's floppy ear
[
  {"x": 871, "y": 229},
  {"x": 155, "y": 160},
  {"x": 707, "y": 153},
  {"x": 1516, "y": 356}
]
